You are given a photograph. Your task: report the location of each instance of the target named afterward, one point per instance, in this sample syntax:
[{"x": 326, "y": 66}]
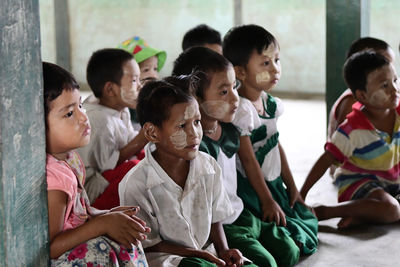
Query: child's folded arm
[
  {"x": 271, "y": 210},
  {"x": 133, "y": 147},
  {"x": 218, "y": 238},
  {"x": 176, "y": 249},
  {"x": 121, "y": 226},
  {"x": 319, "y": 168}
]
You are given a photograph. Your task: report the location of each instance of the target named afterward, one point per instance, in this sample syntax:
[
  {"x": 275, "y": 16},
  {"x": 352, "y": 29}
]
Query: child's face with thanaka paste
[
  {"x": 220, "y": 100},
  {"x": 263, "y": 70},
  {"x": 181, "y": 134},
  {"x": 148, "y": 69},
  {"x": 382, "y": 89},
  {"x": 130, "y": 84},
  {"x": 68, "y": 124}
]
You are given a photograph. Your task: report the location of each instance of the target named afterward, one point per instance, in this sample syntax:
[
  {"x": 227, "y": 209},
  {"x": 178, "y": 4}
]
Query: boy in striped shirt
[{"x": 367, "y": 144}]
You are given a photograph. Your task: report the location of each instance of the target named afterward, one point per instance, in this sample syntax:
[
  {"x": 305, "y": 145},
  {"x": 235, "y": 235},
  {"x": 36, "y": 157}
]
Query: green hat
[{"x": 142, "y": 51}]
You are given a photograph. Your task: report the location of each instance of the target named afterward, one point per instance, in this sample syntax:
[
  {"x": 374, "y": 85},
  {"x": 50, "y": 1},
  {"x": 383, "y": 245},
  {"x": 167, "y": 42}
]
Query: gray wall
[{"x": 299, "y": 26}]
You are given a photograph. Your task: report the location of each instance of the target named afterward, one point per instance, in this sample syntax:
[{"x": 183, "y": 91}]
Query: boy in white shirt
[
  {"x": 113, "y": 76},
  {"x": 178, "y": 188}
]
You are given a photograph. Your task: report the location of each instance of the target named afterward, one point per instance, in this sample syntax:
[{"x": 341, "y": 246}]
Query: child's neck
[
  {"x": 211, "y": 127},
  {"x": 176, "y": 168},
  {"x": 60, "y": 156},
  {"x": 383, "y": 120},
  {"x": 254, "y": 96},
  {"x": 250, "y": 93},
  {"x": 110, "y": 104}
]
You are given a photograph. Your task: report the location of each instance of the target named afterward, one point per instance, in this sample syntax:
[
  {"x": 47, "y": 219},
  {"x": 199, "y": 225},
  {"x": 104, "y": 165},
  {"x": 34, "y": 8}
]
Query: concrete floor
[{"x": 302, "y": 134}]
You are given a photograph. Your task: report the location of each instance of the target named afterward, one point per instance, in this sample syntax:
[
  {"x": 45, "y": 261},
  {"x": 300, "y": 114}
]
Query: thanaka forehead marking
[{"x": 190, "y": 112}]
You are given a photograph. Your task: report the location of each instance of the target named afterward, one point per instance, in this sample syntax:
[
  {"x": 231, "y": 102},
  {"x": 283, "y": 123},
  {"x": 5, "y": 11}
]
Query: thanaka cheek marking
[
  {"x": 178, "y": 139},
  {"x": 190, "y": 112},
  {"x": 378, "y": 97},
  {"x": 215, "y": 108},
  {"x": 128, "y": 96},
  {"x": 262, "y": 77}
]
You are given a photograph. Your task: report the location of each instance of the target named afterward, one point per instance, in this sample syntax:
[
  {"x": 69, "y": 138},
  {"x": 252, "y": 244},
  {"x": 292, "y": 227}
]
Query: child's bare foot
[{"x": 348, "y": 222}]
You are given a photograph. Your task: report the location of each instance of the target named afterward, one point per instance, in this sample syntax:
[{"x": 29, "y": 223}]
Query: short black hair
[
  {"x": 359, "y": 65},
  {"x": 200, "y": 59},
  {"x": 200, "y": 35},
  {"x": 240, "y": 42},
  {"x": 365, "y": 43},
  {"x": 105, "y": 65},
  {"x": 55, "y": 81},
  {"x": 156, "y": 99}
]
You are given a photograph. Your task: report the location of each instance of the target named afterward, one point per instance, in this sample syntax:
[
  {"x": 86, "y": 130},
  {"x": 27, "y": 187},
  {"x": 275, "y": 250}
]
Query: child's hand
[
  {"x": 203, "y": 254},
  {"x": 272, "y": 212},
  {"x": 232, "y": 257},
  {"x": 294, "y": 196},
  {"x": 123, "y": 226}
]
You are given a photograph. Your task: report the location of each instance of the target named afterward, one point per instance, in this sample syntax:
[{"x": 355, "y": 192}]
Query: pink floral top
[{"x": 68, "y": 176}]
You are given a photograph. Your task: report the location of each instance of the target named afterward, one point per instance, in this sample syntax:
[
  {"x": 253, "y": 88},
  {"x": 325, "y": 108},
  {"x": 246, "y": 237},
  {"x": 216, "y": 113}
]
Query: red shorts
[{"x": 110, "y": 198}]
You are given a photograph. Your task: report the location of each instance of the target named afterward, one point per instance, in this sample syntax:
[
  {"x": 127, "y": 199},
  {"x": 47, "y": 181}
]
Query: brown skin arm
[
  {"x": 319, "y": 168},
  {"x": 133, "y": 147},
  {"x": 287, "y": 178},
  {"x": 232, "y": 257},
  {"x": 122, "y": 226},
  {"x": 344, "y": 108},
  {"x": 176, "y": 249},
  {"x": 271, "y": 210}
]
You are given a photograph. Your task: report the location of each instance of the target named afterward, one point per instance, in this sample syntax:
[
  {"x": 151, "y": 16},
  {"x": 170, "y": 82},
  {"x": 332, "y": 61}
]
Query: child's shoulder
[
  {"x": 59, "y": 175},
  {"x": 246, "y": 118},
  {"x": 205, "y": 162}
]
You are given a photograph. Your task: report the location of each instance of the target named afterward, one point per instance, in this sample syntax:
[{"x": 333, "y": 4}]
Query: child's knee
[
  {"x": 291, "y": 257},
  {"x": 392, "y": 210}
]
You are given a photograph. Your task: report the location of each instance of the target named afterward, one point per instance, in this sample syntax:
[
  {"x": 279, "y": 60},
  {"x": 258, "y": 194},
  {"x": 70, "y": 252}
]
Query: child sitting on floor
[
  {"x": 202, "y": 35},
  {"x": 113, "y": 75},
  {"x": 366, "y": 145},
  {"x": 150, "y": 62},
  {"x": 254, "y": 53},
  {"x": 80, "y": 235},
  {"x": 343, "y": 105},
  {"x": 264, "y": 243},
  {"x": 178, "y": 188}
]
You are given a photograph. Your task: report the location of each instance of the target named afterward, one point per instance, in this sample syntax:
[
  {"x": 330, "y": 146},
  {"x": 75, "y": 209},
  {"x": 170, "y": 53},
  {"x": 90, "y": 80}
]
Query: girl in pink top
[{"x": 79, "y": 234}]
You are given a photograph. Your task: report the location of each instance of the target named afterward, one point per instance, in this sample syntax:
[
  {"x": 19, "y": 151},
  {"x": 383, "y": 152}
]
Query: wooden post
[
  {"x": 346, "y": 20},
  {"x": 63, "y": 46},
  {"x": 23, "y": 198}
]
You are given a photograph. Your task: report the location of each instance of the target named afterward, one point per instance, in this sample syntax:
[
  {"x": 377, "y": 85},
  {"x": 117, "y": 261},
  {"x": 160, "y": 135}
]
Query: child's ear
[
  {"x": 240, "y": 73},
  {"x": 361, "y": 95},
  {"x": 109, "y": 89},
  {"x": 151, "y": 132}
]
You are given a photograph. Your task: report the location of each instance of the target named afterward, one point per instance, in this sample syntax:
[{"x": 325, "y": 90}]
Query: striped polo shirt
[{"x": 364, "y": 150}]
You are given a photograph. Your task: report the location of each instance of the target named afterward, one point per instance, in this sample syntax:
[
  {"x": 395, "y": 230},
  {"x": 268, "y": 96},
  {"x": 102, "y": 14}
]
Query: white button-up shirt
[
  {"x": 183, "y": 216},
  {"x": 111, "y": 131}
]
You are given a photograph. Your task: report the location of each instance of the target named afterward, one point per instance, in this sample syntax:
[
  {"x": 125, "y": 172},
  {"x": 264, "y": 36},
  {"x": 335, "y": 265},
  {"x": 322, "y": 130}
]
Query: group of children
[{"x": 194, "y": 159}]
